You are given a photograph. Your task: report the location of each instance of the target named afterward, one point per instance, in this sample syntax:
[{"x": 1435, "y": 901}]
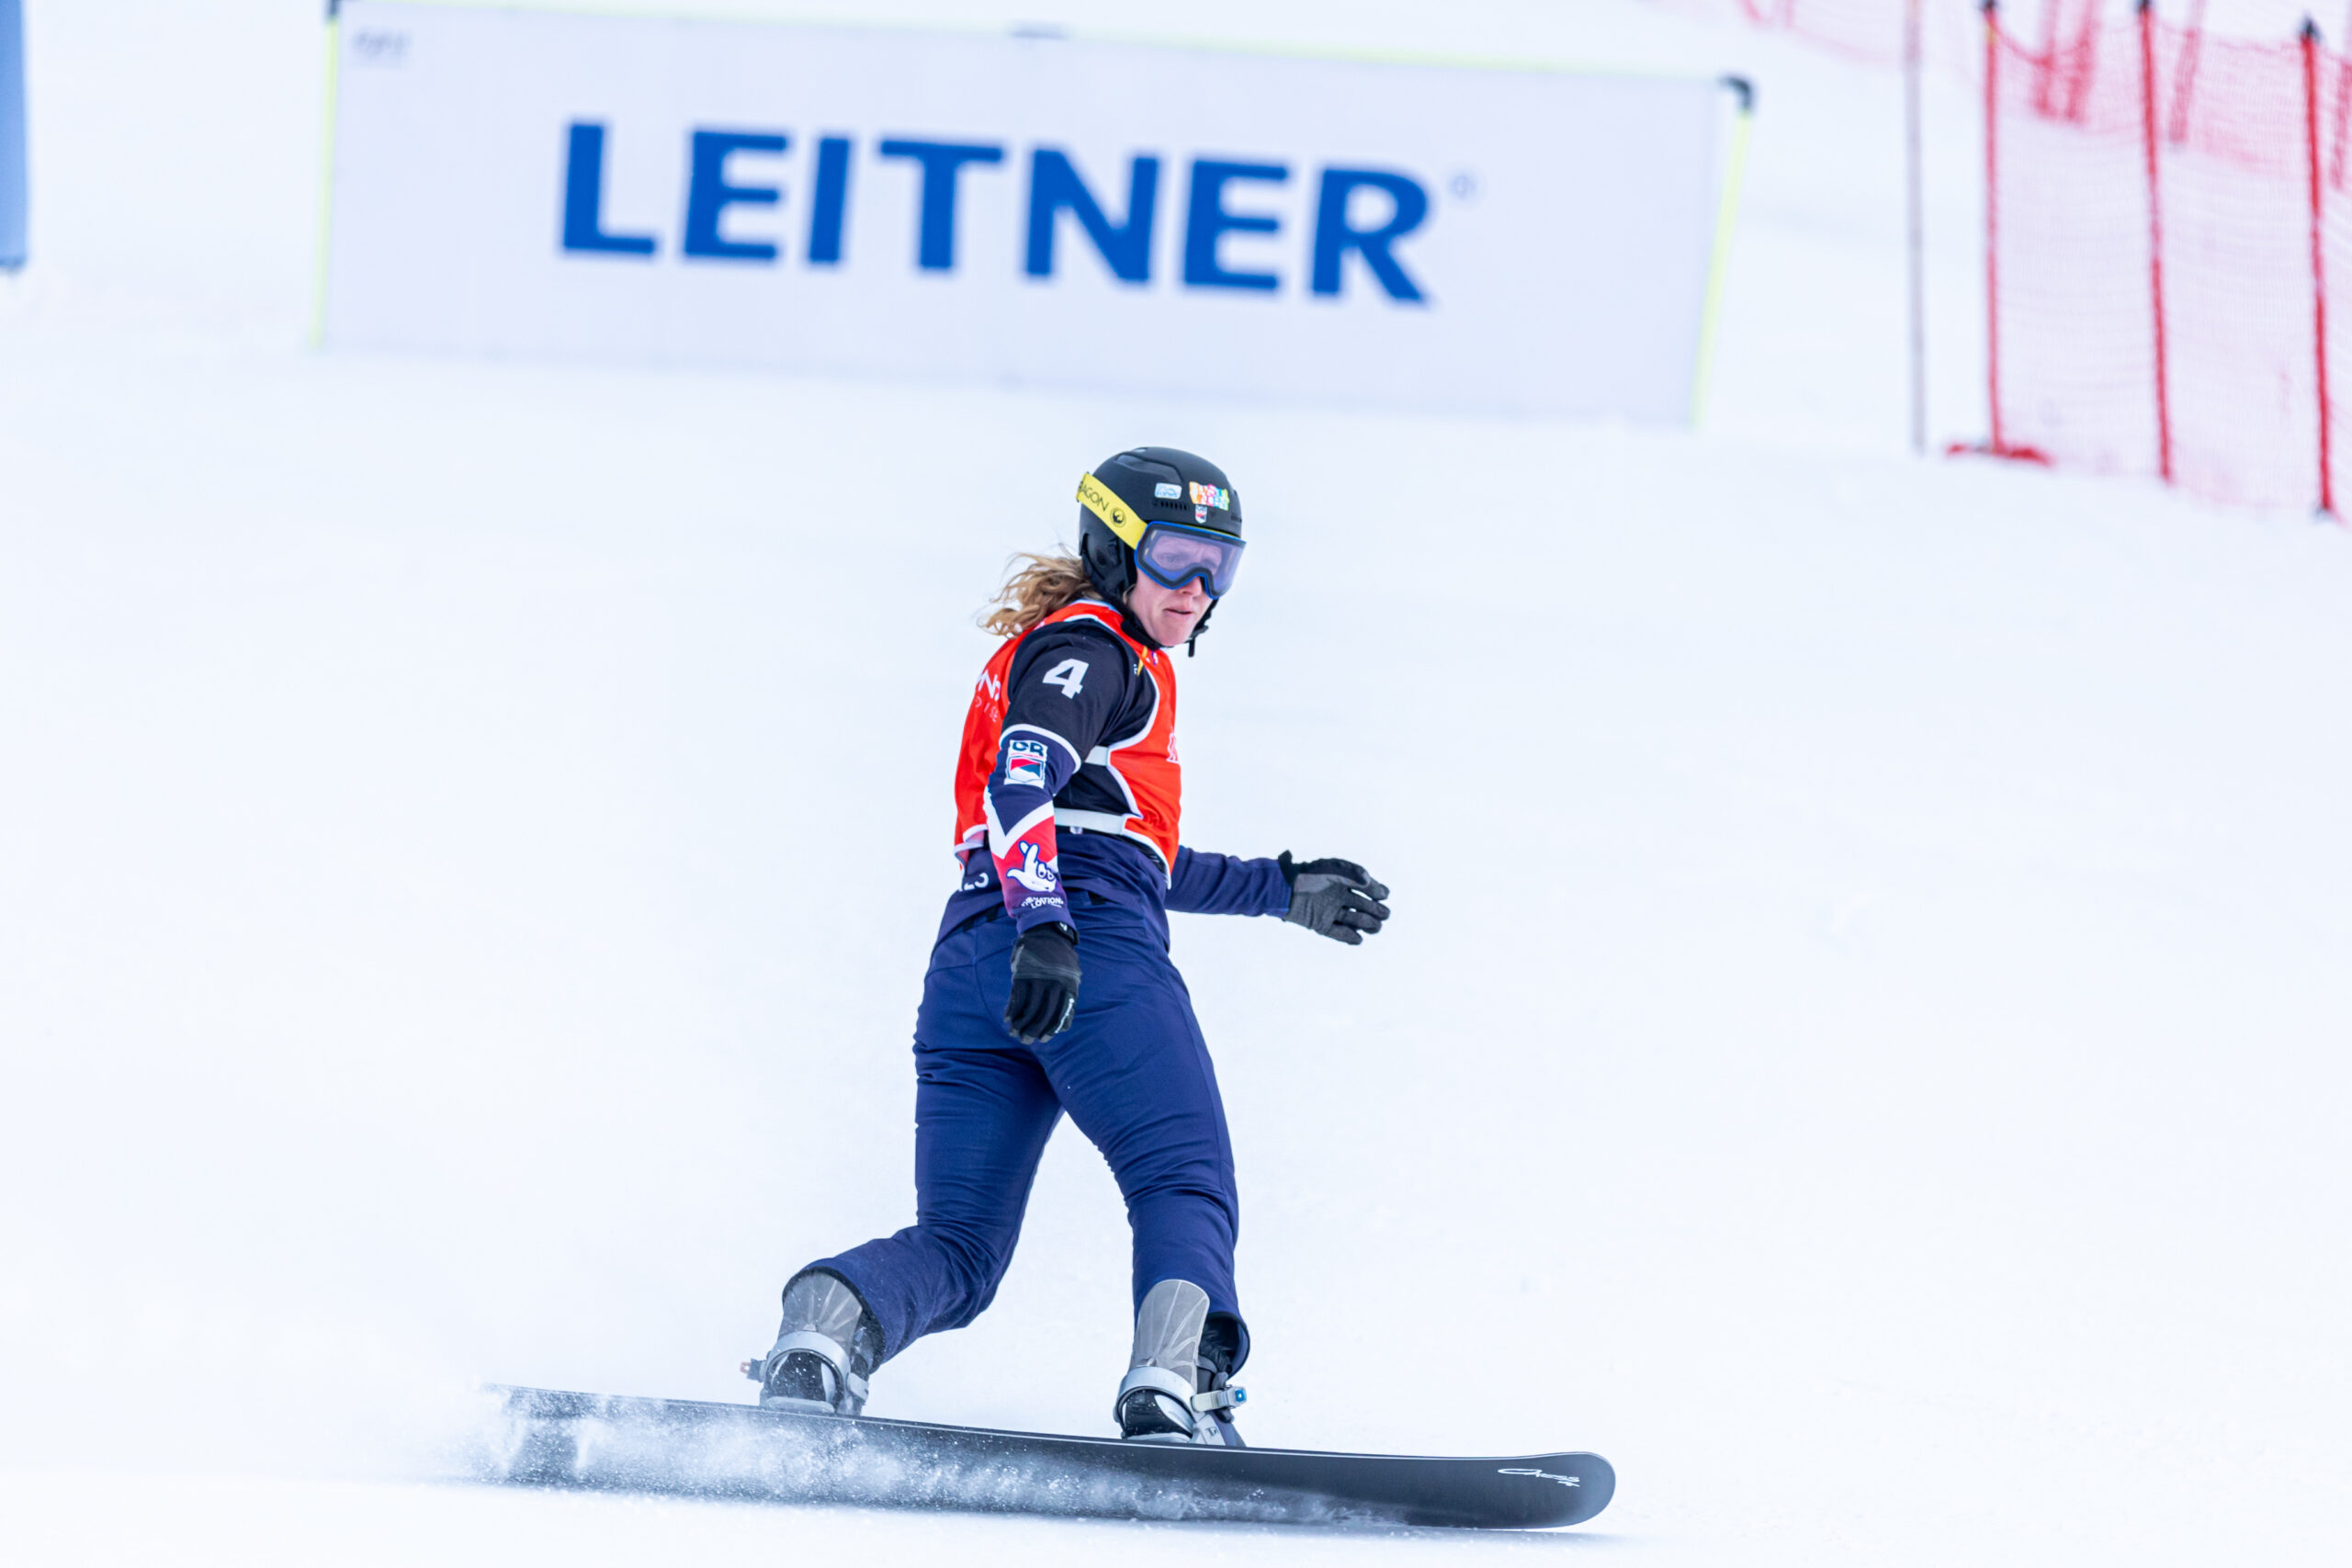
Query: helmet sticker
[
  {"x": 1212, "y": 495},
  {"x": 1166, "y": 492},
  {"x": 1200, "y": 513},
  {"x": 1099, "y": 498}
]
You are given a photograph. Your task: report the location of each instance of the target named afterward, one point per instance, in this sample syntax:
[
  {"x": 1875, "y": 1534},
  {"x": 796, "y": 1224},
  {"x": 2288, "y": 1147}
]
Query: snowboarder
[{"x": 1050, "y": 987}]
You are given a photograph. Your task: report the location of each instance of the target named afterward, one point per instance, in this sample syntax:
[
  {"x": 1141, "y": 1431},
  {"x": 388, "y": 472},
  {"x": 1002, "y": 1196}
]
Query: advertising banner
[{"x": 1038, "y": 211}]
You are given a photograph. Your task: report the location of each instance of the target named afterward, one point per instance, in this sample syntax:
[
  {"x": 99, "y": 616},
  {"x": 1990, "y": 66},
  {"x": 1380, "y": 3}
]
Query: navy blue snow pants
[{"x": 1133, "y": 1072}]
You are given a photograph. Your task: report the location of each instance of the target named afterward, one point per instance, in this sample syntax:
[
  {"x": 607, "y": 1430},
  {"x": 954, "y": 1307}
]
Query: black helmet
[{"x": 1128, "y": 493}]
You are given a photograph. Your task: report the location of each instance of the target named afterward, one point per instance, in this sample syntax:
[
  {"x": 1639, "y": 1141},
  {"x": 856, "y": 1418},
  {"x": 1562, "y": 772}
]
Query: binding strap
[
  {"x": 825, "y": 1348},
  {"x": 1201, "y": 1406}
]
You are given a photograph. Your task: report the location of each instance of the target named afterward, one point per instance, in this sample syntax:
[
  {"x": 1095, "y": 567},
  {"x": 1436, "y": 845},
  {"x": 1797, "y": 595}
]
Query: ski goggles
[
  {"x": 1170, "y": 554},
  {"x": 1173, "y": 555}
]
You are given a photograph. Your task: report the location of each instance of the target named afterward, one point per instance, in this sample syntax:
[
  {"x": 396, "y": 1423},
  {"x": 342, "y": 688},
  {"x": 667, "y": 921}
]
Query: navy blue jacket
[{"x": 1116, "y": 869}]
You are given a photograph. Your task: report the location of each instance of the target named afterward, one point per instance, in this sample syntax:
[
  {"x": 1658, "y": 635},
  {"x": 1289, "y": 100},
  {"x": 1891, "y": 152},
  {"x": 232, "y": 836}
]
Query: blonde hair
[{"x": 1035, "y": 591}]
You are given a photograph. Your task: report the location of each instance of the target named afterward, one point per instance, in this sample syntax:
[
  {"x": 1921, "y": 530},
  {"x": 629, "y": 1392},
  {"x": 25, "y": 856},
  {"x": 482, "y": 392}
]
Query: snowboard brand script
[{"x": 1544, "y": 1475}]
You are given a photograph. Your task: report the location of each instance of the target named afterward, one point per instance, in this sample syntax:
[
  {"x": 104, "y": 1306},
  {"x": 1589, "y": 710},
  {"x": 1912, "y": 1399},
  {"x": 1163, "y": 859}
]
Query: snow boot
[
  {"x": 1177, "y": 1388},
  {"x": 826, "y": 1349}
]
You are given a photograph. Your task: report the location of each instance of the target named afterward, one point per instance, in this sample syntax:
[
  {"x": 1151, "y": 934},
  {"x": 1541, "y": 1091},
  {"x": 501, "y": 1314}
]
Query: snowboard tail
[{"x": 692, "y": 1448}]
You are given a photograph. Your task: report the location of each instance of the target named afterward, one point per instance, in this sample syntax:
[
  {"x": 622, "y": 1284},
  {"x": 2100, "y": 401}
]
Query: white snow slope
[{"x": 1862, "y": 1042}]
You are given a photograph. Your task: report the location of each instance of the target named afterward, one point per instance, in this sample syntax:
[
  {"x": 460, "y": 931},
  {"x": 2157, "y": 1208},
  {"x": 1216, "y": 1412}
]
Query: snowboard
[{"x": 547, "y": 1436}]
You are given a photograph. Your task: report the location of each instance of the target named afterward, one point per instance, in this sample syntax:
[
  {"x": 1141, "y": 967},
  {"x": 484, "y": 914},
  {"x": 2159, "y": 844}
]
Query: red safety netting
[
  {"x": 1951, "y": 32},
  {"x": 2331, "y": 126},
  {"x": 2241, "y": 305},
  {"x": 2070, "y": 331},
  {"x": 2156, "y": 296},
  {"x": 2168, "y": 211}
]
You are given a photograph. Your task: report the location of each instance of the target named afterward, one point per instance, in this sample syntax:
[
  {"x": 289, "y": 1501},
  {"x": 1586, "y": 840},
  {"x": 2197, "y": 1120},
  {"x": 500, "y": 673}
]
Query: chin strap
[{"x": 1198, "y": 628}]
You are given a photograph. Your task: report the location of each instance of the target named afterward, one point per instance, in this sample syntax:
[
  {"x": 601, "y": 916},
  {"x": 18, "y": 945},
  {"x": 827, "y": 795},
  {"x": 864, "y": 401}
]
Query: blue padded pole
[{"x": 12, "y": 133}]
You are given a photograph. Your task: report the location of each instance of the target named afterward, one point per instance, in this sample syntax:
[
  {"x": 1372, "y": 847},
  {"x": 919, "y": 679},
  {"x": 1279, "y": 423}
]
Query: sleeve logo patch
[
  {"x": 1024, "y": 762},
  {"x": 1037, "y": 874}
]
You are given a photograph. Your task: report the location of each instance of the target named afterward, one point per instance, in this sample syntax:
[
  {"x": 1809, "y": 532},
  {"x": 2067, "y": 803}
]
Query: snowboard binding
[
  {"x": 825, "y": 1352},
  {"x": 1179, "y": 1386}
]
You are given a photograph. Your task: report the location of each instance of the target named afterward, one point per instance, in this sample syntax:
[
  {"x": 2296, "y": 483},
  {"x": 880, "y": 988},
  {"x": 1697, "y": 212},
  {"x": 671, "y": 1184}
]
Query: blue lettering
[
  {"x": 1055, "y": 185},
  {"x": 1056, "y": 188},
  {"x": 1206, "y": 221},
  {"x": 830, "y": 199},
  {"x": 1409, "y": 204},
  {"x": 708, "y": 194},
  {"x": 583, "y": 197},
  {"x": 941, "y": 163}
]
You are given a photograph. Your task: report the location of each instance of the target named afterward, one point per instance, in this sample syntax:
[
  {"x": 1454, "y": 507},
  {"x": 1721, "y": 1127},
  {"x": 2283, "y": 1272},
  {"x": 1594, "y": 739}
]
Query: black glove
[
  {"x": 1044, "y": 983},
  {"x": 1337, "y": 898}
]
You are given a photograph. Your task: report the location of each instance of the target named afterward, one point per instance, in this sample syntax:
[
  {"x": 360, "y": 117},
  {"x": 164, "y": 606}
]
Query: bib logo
[{"x": 1363, "y": 213}]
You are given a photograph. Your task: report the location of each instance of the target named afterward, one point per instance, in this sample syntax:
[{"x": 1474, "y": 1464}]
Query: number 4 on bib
[{"x": 1069, "y": 675}]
